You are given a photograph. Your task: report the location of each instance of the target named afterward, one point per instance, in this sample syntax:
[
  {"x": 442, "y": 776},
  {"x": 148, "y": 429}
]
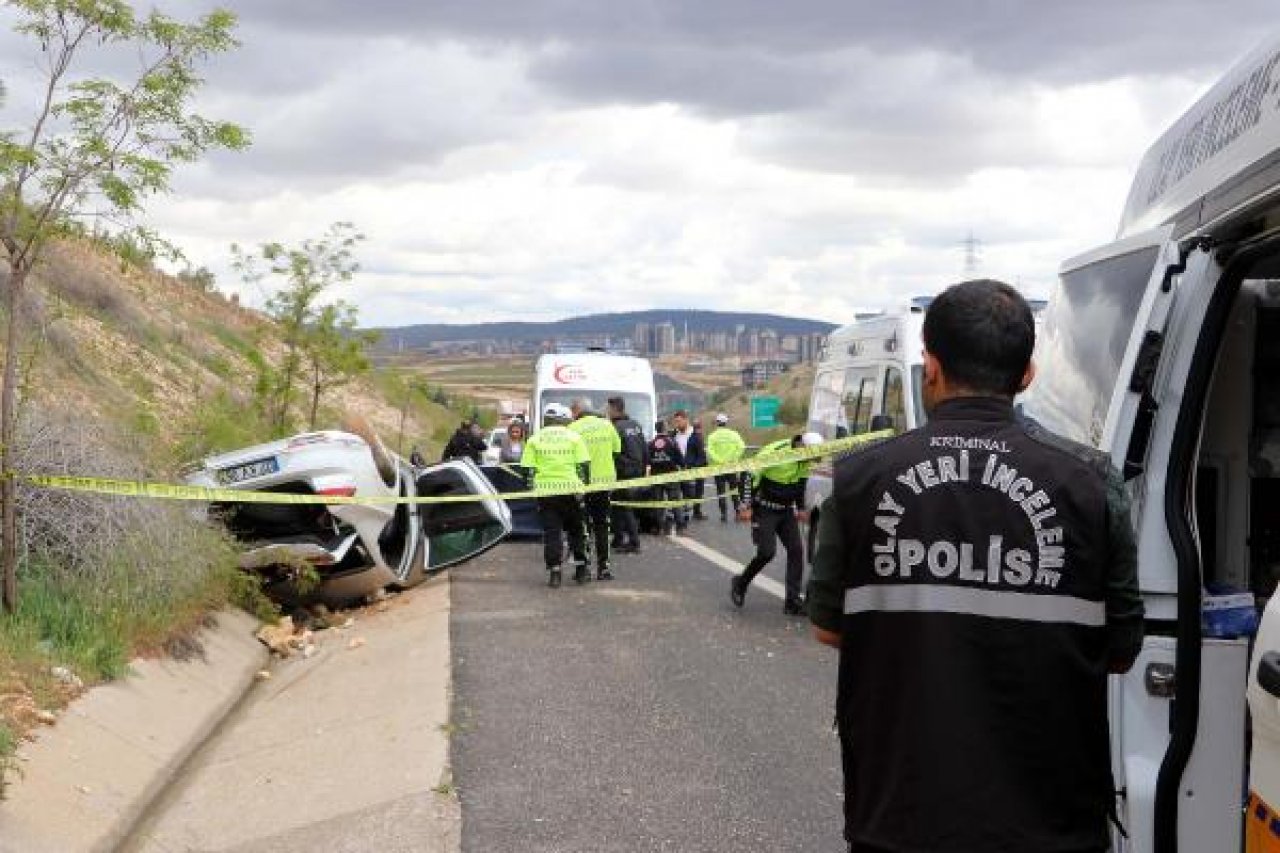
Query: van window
[
  {"x": 893, "y": 404},
  {"x": 825, "y": 413},
  {"x": 639, "y": 407},
  {"x": 1086, "y": 330},
  {"x": 859, "y": 399}
]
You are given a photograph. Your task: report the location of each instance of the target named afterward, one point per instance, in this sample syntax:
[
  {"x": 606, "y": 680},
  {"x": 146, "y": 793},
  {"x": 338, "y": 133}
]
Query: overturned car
[{"x": 337, "y": 553}]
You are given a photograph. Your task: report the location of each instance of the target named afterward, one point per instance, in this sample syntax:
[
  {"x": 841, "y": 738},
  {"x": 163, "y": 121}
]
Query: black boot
[
  {"x": 603, "y": 573},
  {"x": 580, "y": 573},
  {"x": 553, "y": 576},
  {"x": 793, "y": 607},
  {"x": 737, "y": 590}
]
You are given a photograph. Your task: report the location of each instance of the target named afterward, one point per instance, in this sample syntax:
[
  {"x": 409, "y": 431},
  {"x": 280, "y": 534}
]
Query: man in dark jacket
[
  {"x": 664, "y": 458},
  {"x": 694, "y": 448},
  {"x": 631, "y": 464},
  {"x": 979, "y": 578},
  {"x": 465, "y": 443}
]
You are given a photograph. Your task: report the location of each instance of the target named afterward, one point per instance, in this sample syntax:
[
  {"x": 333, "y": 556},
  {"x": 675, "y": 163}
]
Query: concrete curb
[{"x": 87, "y": 781}]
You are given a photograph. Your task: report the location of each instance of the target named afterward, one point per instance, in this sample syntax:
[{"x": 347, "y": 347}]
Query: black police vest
[
  {"x": 972, "y": 696},
  {"x": 664, "y": 455}
]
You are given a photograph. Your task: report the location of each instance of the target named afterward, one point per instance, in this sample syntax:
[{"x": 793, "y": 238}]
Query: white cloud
[{"x": 536, "y": 158}]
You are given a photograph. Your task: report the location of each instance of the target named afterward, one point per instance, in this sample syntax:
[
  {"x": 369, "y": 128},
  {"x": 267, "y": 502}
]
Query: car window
[{"x": 455, "y": 531}]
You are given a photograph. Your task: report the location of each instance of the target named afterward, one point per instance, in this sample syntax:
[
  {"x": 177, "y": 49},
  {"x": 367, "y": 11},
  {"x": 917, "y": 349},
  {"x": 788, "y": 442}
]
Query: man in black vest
[
  {"x": 979, "y": 578},
  {"x": 631, "y": 464}
]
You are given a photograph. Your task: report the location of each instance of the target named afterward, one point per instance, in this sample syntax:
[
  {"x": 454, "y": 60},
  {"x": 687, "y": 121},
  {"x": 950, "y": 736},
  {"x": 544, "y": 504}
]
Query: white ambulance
[
  {"x": 596, "y": 376},
  {"x": 867, "y": 379},
  {"x": 1162, "y": 348}
]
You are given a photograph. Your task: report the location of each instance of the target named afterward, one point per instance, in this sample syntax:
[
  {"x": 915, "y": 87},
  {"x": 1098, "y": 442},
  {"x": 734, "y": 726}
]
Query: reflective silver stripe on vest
[{"x": 997, "y": 604}]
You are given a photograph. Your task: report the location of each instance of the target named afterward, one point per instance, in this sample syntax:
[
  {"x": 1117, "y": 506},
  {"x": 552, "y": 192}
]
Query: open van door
[
  {"x": 1178, "y": 718},
  {"x": 1112, "y": 379}
]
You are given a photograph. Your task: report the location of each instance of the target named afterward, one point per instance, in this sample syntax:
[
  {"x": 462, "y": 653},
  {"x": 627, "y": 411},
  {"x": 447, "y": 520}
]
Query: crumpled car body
[{"x": 338, "y": 553}]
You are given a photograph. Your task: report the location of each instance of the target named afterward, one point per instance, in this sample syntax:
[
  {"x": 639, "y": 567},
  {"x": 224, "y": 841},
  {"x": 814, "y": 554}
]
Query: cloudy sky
[{"x": 534, "y": 159}]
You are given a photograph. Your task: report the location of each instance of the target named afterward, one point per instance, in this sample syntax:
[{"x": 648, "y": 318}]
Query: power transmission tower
[{"x": 972, "y": 247}]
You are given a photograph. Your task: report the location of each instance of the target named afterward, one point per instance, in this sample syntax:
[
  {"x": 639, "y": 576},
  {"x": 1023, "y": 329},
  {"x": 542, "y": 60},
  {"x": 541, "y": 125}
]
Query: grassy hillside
[
  {"x": 129, "y": 373},
  {"x": 170, "y": 364},
  {"x": 793, "y": 387}
]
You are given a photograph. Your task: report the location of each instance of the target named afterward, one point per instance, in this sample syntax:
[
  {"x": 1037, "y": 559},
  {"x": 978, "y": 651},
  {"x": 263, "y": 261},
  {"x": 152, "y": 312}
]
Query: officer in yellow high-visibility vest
[
  {"x": 776, "y": 496},
  {"x": 557, "y": 458},
  {"x": 725, "y": 445},
  {"x": 603, "y": 443}
]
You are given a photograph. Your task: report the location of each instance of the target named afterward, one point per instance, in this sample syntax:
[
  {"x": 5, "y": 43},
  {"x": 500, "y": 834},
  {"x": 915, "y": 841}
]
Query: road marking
[{"x": 730, "y": 565}]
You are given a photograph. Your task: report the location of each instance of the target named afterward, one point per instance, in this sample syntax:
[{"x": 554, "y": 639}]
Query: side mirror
[
  {"x": 842, "y": 432},
  {"x": 881, "y": 422}
]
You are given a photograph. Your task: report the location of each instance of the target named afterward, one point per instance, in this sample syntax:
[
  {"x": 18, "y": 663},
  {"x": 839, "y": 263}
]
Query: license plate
[{"x": 248, "y": 471}]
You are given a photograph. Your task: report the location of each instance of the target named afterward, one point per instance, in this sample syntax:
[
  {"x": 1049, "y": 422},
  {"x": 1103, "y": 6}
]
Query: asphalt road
[{"x": 641, "y": 714}]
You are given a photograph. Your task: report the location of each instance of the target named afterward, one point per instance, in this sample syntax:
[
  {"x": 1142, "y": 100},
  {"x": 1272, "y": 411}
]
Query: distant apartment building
[
  {"x": 758, "y": 373},
  {"x": 642, "y": 338},
  {"x": 769, "y": 347},
  {"x": 743, "y": 341},
  {"x": 664, "y": 336}
]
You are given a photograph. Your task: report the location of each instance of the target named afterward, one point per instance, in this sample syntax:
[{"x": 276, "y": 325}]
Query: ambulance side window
[
  {"x": 859, "y": 399},
  {"x": 893, "y": 403},
  {"x": 826, "y": 416}
]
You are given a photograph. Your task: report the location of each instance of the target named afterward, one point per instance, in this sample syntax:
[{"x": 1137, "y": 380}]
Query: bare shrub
[{"x": 152, "y": 547}]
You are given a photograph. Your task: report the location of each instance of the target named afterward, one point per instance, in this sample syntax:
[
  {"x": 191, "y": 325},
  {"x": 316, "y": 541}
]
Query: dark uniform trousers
[
  {"x": 726, "y": 483},
  {"x": 560, "y": 515},
  {"x": 673, "y": 492},
  {"x": 626, "y": 530},
  {"x": 596, "y": 505},
  {"x": 769, "y": 525}
]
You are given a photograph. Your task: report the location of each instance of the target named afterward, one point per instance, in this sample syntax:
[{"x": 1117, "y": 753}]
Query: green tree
[
  {"x": 335, "y": 351},
  {"x": 308, "y": 272},
  {"x": 96, "y": 148}
]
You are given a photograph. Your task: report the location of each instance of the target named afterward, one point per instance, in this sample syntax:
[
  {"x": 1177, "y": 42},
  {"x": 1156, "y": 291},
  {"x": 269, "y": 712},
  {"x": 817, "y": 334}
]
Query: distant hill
[{"x": 615, "y": 325}]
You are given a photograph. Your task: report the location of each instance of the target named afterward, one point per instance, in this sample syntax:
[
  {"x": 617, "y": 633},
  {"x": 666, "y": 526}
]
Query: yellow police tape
[{"x": 170, "y": 491}]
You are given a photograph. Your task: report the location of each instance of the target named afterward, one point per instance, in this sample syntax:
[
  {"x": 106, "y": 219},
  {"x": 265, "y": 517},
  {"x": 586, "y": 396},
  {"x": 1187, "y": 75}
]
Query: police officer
[
  {"x": 725, "y": 445},
  {"x": 557, "y": 458},
  {"x": 775, "y": 496},
  {"x": 978, "y": 576},
  {"x": 664, "y": 458},
  {"x": 603, "y": 443},
  {"x": 631, "y": 463}
]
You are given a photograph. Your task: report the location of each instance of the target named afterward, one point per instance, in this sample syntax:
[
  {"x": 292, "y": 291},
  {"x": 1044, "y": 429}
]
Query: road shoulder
[{"x": 87, "y": 780}]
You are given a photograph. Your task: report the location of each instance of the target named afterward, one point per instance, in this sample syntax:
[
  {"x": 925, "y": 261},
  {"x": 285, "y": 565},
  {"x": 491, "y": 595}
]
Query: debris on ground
[
  {"x": 46, "y": 717},
  {"x": 356, "y": 642},
  {"x": 263, "y": 675},
  {"x": 284, "y": 638},
  {"x": 67, "y": 677}
]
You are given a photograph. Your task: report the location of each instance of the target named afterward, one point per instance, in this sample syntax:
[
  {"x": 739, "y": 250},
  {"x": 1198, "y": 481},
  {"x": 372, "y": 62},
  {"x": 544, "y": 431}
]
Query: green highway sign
[{"x": 764, "y": 411}]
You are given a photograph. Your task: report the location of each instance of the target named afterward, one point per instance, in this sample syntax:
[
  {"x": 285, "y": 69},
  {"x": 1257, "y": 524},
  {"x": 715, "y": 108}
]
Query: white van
[
  {"x": 867, "y": 379},
  {"x": 565, "y": 377},
  {"x": 1163, "y": 349}
]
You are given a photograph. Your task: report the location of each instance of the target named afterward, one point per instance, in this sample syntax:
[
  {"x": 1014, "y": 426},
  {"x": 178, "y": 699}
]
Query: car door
[{"x": 457, "y": 531}]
